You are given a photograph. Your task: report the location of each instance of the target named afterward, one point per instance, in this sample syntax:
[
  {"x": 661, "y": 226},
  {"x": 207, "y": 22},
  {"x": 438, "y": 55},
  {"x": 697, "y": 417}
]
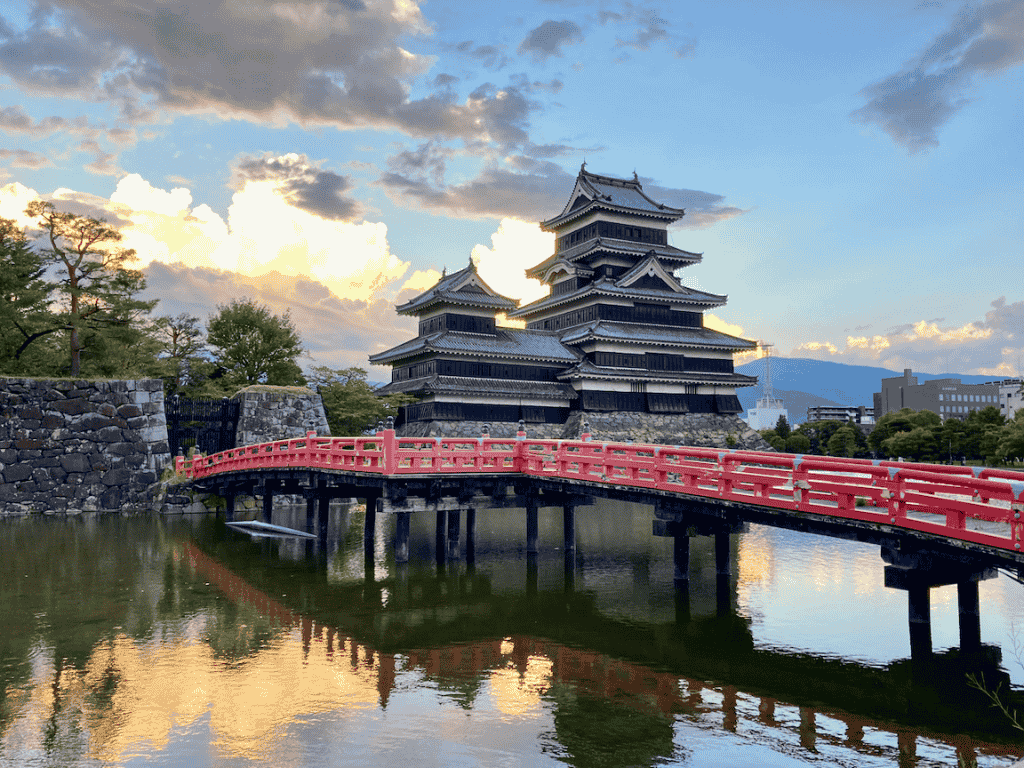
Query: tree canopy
[
  {"x": 351, "y": 405},
  {"x": 254, "y": 345}
]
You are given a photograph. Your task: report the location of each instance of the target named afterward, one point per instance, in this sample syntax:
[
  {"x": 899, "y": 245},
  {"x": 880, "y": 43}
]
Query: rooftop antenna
[{"x": 769, "y": 393}]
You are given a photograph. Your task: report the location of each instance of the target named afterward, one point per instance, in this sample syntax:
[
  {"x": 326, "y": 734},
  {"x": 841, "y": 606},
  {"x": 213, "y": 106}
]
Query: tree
[
  {"x": 919, "y": 444},
  {"x": 254, "y": 345},
  {"x": 782, "y": 427},
  {"x": 351, "y": 405},
  {"x": 25, "y": 314},
  {"x": 798, "y": 443},
  {"x": 181, "y": 344},
  {"x": 843, "y": 442},
  {"x": 889, "y": 425},
  {"x": 97, "y": 289}
]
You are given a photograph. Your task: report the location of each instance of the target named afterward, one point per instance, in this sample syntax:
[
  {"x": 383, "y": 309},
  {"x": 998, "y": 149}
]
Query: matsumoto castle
[{"x": 617, "y": 333}]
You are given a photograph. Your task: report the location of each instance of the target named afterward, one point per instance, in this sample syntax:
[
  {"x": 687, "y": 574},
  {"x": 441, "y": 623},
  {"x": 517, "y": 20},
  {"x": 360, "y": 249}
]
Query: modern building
[
  {"x": 860, "y": 414},
  {"x": 617, "y": 332},
  {"x": 949, "y": 398},
  {"x": 1011, "y": 396},
  {"x": 766, "y": 414}
]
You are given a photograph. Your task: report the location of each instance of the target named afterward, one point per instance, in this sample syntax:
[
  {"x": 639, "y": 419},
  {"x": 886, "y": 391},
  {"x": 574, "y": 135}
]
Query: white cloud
[{"x": 515, "y": 247}]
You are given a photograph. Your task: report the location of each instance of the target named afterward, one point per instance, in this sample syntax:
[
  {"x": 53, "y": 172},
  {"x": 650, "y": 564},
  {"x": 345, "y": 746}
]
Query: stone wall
[
  {"x": 71, "y": 446},
  {"x": 278, "y": 413},
  {"x": 710, "y": 430}
]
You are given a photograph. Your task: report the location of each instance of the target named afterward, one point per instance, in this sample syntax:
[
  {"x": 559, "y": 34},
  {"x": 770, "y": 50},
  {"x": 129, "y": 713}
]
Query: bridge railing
[{"x": 968, "y": 503}]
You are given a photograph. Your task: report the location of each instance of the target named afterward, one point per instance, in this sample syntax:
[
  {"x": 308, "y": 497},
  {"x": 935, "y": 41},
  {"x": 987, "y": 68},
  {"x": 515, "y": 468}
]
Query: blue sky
[{"x": 851, "y": 170}]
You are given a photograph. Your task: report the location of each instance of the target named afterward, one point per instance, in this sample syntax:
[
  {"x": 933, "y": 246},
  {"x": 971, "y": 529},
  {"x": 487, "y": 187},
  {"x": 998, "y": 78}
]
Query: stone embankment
[
  {"x": 709, "y": 430},
  {"x": 70, "y": 446}
]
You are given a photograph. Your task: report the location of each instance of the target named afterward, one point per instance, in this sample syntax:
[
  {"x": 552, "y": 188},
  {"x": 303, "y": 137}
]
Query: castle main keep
[{"x": 617, "y": 334}]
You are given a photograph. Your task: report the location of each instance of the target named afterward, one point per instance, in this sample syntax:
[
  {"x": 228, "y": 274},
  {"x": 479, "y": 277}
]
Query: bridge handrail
[{"x": 904, "y": 494}]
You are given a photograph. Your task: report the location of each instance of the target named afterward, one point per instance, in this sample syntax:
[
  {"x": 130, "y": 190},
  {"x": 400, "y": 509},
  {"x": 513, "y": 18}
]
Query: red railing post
[{"x": 389, "y": 445}]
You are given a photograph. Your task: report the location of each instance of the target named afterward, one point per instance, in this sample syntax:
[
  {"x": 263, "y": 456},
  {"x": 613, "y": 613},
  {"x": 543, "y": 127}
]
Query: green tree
[
  {"x": 25, "y": 315},
  {"x": 351, "y": 405},
  {"x": 97, "y": 289},
  {"x": 782, "y": 427},
  {"x": 843, "y": 442},
  {"x": 254, "y": 345},
  {"x": 798, "y": 443},
  {"x": 1011, "y": 439},
  {"x": 181, "y": 343},
  {"x": 889, "y": 425},
  {"x": 918, "y": 444}
]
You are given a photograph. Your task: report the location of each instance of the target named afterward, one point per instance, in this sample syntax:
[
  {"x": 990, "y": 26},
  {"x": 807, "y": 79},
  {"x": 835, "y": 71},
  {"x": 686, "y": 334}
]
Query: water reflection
[{"x": 176, "y": 641}]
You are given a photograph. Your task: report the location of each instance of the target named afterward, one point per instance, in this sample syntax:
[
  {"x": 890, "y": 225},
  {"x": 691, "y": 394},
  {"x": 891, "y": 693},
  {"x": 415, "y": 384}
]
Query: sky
[{"x": 851, "y": 170}]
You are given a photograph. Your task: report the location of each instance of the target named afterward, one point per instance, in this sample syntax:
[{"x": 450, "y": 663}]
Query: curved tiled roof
[
  {"x": 648, "y": 334},
  {"x": 585, "y": 369},
  {"x": 621, "y": 195},
  {"x": 463, "y": 385},
  {"x": 506, "y": 343},
  {"x": 447, "y": 291},
  {"x": 617, "y": 245},
  {"x": 607, "y": 287}
]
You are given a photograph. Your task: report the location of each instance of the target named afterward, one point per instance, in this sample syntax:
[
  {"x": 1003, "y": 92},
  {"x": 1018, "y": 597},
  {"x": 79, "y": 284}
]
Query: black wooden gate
[{"x": 207, "y": 425}]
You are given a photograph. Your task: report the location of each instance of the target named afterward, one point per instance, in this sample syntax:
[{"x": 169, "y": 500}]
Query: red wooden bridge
[
  {"x": 937, "y": 525},
  {"x": 968, "y": 504}
]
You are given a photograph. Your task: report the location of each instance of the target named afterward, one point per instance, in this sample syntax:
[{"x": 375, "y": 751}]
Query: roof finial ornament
[
  {"x": 444, "y": 271},
  {"x": 583, "y": 165},
  {"x": 472, "y": 264},
  {"x": 635, "y": 176}
]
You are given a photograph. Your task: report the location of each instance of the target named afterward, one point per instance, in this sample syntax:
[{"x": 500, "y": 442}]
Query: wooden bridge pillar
[
  {"x": 310, "y": 511},
  {"x": 723, "y": 563},
  {"x": 919, "y": 617},
  {"x": 970, "y": 615},
  {"x": 531, "y": 525},
  {"x": 268, "y": 500},
  {"x": 373, "y": 502},
  {"x": 323, "y": 512},
  {"x": 681, "y": 558},
  {"x": 440, "y": 536},
  {"x": 229, "y": 506},
  {"x": 569, "y": 527},
  {"x": 917, "y": 572},
  {"x": 402, "y": 536},
  {"x": 454, "y": 545},
  {"x": 470, "y": 536}
]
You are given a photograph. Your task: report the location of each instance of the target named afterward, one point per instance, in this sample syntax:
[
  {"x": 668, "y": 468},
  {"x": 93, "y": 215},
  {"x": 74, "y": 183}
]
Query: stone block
[
  {"x": 93, "y": 421},
  {"x": 110, "y": 434},
  {"x": 52, "y": 421},
  {"x": 75, "y": 462},
  {"x": 73, "y": 407},
  {"x": 106, "y": 409},
  {"x": 8, "y": 455},
  {"x": 28, "y": 444},
  {"x": 129, "y": 411},
  {"x": 30, "y": 412},
  {"x": 15, "y": 473},
  {"x": 111, "y": 499},
  {"x": 121, "y": 449},
  {"x": 9, "y": 492},
  {"x": 119, "y": 476}
]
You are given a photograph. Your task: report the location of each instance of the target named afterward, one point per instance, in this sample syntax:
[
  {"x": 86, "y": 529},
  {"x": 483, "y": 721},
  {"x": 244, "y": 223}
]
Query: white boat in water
[{"x": 259, "y": 529}]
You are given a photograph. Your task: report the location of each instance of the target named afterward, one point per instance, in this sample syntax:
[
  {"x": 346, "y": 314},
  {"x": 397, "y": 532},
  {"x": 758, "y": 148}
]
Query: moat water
[{"x": 129, "y": 641}]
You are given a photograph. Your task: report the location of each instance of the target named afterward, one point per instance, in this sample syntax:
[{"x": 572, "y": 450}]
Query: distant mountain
[{"x": 801, "y": 383}]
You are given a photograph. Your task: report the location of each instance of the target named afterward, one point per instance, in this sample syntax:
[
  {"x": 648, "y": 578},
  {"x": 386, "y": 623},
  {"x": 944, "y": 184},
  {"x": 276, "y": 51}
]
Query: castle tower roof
[
  {"x": 464, "y": 288},
  {"x": 593, "y": 191}
]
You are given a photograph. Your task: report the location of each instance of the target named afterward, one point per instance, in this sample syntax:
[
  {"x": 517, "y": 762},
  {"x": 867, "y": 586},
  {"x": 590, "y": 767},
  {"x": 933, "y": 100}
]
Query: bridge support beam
[
  {"x": 268, "y": 500},
  {"x": 970, "y": 616},
  {"x": 723, "y": 552},
  {"x": 440, "y": 536},
  {"x": 916, "y": 572},
  {"x": 569, "y": 527},
  {"x": 531, "y": 525},
  {"x": 229, "y": 506},
  {"x": 402, "y": 536},
  {"x": 470, "y": 536},
  {"x": 681, "y": 558},
  {"x": 454, "y": 545},
  {"x": 373, "y": 503}
]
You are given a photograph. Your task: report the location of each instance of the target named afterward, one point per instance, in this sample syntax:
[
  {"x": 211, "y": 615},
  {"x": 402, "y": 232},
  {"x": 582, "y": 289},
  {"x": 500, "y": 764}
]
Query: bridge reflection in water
[{"x": 604, "y": 669}]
